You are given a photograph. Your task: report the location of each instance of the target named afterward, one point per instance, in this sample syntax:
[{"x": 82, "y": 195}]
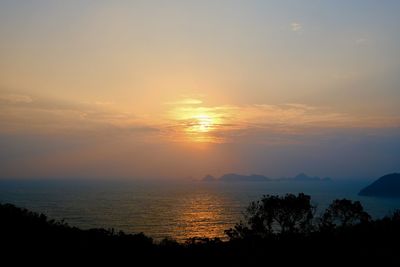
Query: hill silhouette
[
  {"x": 209, "y": 178},
  {"x": 234, "y": 177},
  {"x": 305, "y": 177},
  {"x": 386, "y": 186}
]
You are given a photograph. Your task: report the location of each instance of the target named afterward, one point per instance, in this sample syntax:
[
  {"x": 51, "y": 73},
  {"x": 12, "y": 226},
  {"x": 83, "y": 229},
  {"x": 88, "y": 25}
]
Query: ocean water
[{"x": 178, "y": 210}]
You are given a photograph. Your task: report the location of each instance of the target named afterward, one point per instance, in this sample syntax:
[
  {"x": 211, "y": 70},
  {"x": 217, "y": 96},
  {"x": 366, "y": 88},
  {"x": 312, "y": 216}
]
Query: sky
[{"x": 181, "y": 89}]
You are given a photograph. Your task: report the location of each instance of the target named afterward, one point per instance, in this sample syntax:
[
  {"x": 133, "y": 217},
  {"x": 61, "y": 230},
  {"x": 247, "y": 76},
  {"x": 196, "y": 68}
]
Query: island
[
  {"x": 209, "y": 178},
  {"x": 302, "y": 177},
  {"x": 386, "y": 186},
  {"x": 234, "y": 177}
]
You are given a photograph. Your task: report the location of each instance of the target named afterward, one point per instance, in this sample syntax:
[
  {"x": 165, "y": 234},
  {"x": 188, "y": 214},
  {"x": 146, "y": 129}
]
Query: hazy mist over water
[{"x": 170, "y": 209}]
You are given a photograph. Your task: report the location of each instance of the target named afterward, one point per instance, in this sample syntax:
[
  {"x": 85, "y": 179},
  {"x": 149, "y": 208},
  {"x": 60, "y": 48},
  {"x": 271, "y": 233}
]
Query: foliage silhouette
[
  {"x": 289, "y": 214},
  {"x": 343, "y": 213},
  {"x": 277, "y": 230}
]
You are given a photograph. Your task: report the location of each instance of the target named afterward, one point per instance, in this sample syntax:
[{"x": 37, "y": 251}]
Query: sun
[
  {"x": 200, "y": 128},
  {"x": 197, "y": 123},
  {"x": 202, "y": 123}
]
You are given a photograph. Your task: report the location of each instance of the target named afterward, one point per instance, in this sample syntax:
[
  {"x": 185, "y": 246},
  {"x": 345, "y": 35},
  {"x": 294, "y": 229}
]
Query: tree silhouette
[
  {"x": 343, "y": 213},
  {"x": 279, "y": 230},
  {"x": 289, "y": 214}
]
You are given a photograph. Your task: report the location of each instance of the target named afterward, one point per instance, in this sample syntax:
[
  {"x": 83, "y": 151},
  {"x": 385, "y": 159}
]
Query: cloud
[
  {"x": 50, "y": 136},
  {"x": 257, "y": 122},
  {"x": 20, "y": 114},
  {"x": 102, "y": 103},
  {"x": 296, "y": 27},
  {"x": 186, "y": 101},
  {"x": 186, "y": 120},
  {"x": 301, "y": 106},
  {"x": 15, "y": 98}
]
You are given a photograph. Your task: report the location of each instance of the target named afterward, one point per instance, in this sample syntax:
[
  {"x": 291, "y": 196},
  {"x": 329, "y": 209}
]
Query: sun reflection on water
[{"x": 201, "y": 216}]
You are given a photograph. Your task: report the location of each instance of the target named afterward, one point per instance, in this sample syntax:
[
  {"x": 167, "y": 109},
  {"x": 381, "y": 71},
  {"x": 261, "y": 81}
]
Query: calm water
[{"x": 170, "y": 209}]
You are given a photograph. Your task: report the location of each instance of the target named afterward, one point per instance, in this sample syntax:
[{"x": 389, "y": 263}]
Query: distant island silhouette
[
  {"x": 234, "y": 177},
  {"x": 386, "y": 186}
]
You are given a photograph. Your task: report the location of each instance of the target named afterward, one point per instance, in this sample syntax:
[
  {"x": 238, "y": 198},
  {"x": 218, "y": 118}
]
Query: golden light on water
[{"x": 202, "y": 215}]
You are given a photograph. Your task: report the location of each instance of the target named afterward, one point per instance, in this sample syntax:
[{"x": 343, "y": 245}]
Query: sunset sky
[{"x": 180, "y": 89}]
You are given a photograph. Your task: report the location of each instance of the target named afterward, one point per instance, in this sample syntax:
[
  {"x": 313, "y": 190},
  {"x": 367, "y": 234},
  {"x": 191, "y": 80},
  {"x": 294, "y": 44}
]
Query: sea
[{"x": 171, "y": 209}]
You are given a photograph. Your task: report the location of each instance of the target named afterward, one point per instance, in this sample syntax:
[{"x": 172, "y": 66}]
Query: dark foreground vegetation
[{"x": 277, "y": 230}]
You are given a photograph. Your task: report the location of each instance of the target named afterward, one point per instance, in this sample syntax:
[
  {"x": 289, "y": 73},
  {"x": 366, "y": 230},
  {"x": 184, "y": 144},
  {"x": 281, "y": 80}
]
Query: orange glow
[
  {"x": 202, "y": 123},
  {"x": 198, "y": 124}
]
